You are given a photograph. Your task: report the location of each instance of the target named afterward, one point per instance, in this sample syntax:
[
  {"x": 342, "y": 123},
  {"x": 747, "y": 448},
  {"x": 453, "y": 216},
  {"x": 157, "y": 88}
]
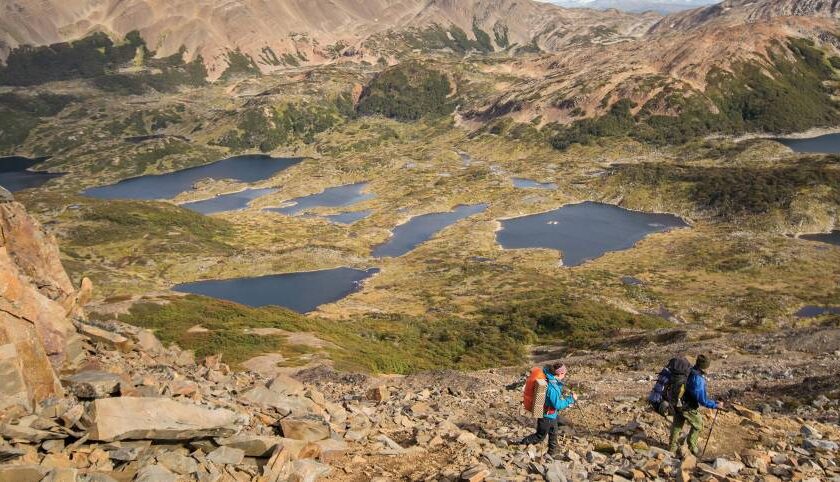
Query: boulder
[
  {"x": 310, "y": 428},
  {"x": 149, "y": 343},
  {"x": 379, "y": 394},
  {"x": 278, "y": 466},
  {"x": 756, "y": 459},
  {"x": 155, "y": 473},
  {"x": 252, "y": 445},
  {"x": 13, "y": 386},
  {"x": 8, "y": 452},
  {"x": 283, "y": 403},
  {"x": 286, "y": 384},
  {"x": 23, "y": 473},
  {"x": 727, "y": 467},
  {"x": 331, "y": 449},
  {"x": 114, "y": 340},
  {"x": 820, "y": 445},
  {"x": 178, "y": 463},
  {"x": 308, "y": 471},
  {"x": 67, "y": 474},
  {"x": 746, "y": 412},
  {"x": 226, "y": 456},
  {"x": 476, "y": 473},
  {"x": 157, "y": 419},
  {"x": 93, "y": 384},
  {"x": 808, "y": 431}
]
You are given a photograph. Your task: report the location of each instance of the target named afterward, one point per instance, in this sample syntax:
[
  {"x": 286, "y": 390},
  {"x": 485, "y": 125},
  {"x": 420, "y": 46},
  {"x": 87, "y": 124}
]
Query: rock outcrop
[{"x": 37, "y": 301}]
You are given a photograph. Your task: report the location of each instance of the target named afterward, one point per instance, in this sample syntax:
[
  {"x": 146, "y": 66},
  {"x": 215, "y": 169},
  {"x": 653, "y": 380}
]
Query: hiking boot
[{"x": 555, "y": 453}]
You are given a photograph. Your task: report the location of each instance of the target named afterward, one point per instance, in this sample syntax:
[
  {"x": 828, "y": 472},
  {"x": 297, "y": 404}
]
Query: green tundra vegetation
[
  {"x": 97, "y": 57},
  {"x": 239, "y": 64},
  {"x": 734, "y": 192},
  {"x": 795, "y": 98},
  {"x": 20, "y": 113},
  {"x": 407, "y": 92},
  {"x": 267, "y": 128},
  {"x": 390, "y": 343}
]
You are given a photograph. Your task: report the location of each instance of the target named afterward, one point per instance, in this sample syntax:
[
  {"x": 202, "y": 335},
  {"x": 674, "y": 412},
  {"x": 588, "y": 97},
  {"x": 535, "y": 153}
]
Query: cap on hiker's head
[{"x": 702, "y": 362}]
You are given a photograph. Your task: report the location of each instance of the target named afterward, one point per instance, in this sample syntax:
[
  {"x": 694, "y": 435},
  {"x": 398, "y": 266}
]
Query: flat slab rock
[{"x": 128, "y": 418}]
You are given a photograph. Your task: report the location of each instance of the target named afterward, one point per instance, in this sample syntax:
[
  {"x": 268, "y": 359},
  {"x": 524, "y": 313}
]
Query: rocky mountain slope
[
  {"x": 291, "y": 32},
  {"x": 121, "y": 406}
]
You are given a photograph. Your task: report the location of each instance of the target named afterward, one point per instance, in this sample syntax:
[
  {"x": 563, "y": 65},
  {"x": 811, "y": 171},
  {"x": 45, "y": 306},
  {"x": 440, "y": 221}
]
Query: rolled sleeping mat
[{"x": 540, "y": 388}]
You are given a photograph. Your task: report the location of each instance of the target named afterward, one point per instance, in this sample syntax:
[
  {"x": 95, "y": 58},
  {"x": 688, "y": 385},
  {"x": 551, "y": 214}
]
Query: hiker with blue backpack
[
  {"x": 666, "y": 396},
  {"x": 551, "y": 378},
  {"x": 694, "y": 397}
]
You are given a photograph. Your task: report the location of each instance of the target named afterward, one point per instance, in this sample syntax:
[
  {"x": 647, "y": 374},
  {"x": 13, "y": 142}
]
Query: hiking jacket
[
  {"x": 695, "y": 392},
  {"x": 554, "y": 399}
]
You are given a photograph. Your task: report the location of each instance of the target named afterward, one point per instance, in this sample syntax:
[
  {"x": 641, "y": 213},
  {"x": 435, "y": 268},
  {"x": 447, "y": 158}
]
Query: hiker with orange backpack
[{"x": 550, "y": 378}]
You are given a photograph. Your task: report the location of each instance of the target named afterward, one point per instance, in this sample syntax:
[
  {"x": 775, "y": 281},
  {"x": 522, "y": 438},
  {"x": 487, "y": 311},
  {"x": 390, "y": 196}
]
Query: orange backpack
[{"x": 531, "y": 388}]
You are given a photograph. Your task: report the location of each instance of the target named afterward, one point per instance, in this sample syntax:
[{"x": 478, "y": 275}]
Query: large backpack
[
  {"x": 533, "y": 395},
  {"x": 680, "y": 368}
]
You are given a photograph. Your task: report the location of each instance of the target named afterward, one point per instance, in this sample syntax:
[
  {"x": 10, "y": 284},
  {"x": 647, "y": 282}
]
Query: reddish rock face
[{"x": 36, "y": 300}]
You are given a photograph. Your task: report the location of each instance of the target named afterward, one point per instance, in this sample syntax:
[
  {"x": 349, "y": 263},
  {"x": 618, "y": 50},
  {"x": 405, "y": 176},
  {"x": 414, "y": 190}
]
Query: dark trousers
[{"x": 545, "y": 426}]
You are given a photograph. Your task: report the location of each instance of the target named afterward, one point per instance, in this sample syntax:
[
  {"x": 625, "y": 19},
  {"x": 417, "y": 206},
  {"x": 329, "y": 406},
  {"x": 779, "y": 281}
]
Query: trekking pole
[
  {"x": 588, "y": 430},
  {"x": 710, "y": 433}
]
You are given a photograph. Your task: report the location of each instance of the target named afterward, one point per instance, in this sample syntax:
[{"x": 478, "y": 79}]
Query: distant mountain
[
  {"x": 281, "y": 33},
  {"x": 660, "y": 6}
]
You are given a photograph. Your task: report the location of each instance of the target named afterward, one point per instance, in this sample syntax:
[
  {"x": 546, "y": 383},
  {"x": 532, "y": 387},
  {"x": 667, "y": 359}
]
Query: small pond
[
  {"x": 227, "y": 202},
  {"x": 584, "y": 231},
  {"x": 812, "y": 311},
  {"x": 301, "y": 292},
  {"x": 829, "y": 143},
  {"x": 348, "y": 217},
  {"x": 830, "y": 238},
  {"x": 339, "y": 196},
  {"x": 15, "y": 173},
  {"x": 251, "y": 168},
  {"x": 523, "y": 183},
  {"x": 419, "y": 229}
]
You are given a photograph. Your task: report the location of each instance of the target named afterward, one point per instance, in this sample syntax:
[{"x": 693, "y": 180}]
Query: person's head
[
  {"x": 702, "y": 363},
  {"x": 558, "y": 370}
]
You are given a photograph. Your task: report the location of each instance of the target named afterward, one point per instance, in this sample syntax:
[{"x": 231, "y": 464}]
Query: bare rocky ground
[
  {"x": 138, "y": 411},
  {"x": 107, "y": 401}
]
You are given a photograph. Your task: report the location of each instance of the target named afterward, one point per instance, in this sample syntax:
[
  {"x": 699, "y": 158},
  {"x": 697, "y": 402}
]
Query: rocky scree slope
[
  {"x": 284, "y": 33},
  {"x": 110, "y": 402}
]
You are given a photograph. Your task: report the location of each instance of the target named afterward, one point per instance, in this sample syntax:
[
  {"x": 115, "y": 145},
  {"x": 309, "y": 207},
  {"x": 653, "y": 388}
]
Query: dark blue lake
[
  {"x": 523, "y": 183},
  {"x": 584, "y": 231},
  {"x": 15, "y": 173},
  {"x": 812, "y": 311},
  {"x": 301, "y": 292},
  {"x": 419, "y": 229},
  {"x": 348, "y": 217},
  {"x": 830, "y": 238},
  {"x": 829, "y": 143},
  {"x": 251, "y": 168},
  {"x": 331, "y": 197},
  {"x": 228, "y": 202}
]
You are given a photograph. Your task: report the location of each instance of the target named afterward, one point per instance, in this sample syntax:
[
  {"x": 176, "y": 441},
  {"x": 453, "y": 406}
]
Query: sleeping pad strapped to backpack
[{"x": 670, "y": 385}]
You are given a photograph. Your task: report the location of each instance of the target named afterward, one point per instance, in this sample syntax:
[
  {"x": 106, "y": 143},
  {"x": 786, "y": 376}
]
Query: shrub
[{"x": 407, "y": 92}]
